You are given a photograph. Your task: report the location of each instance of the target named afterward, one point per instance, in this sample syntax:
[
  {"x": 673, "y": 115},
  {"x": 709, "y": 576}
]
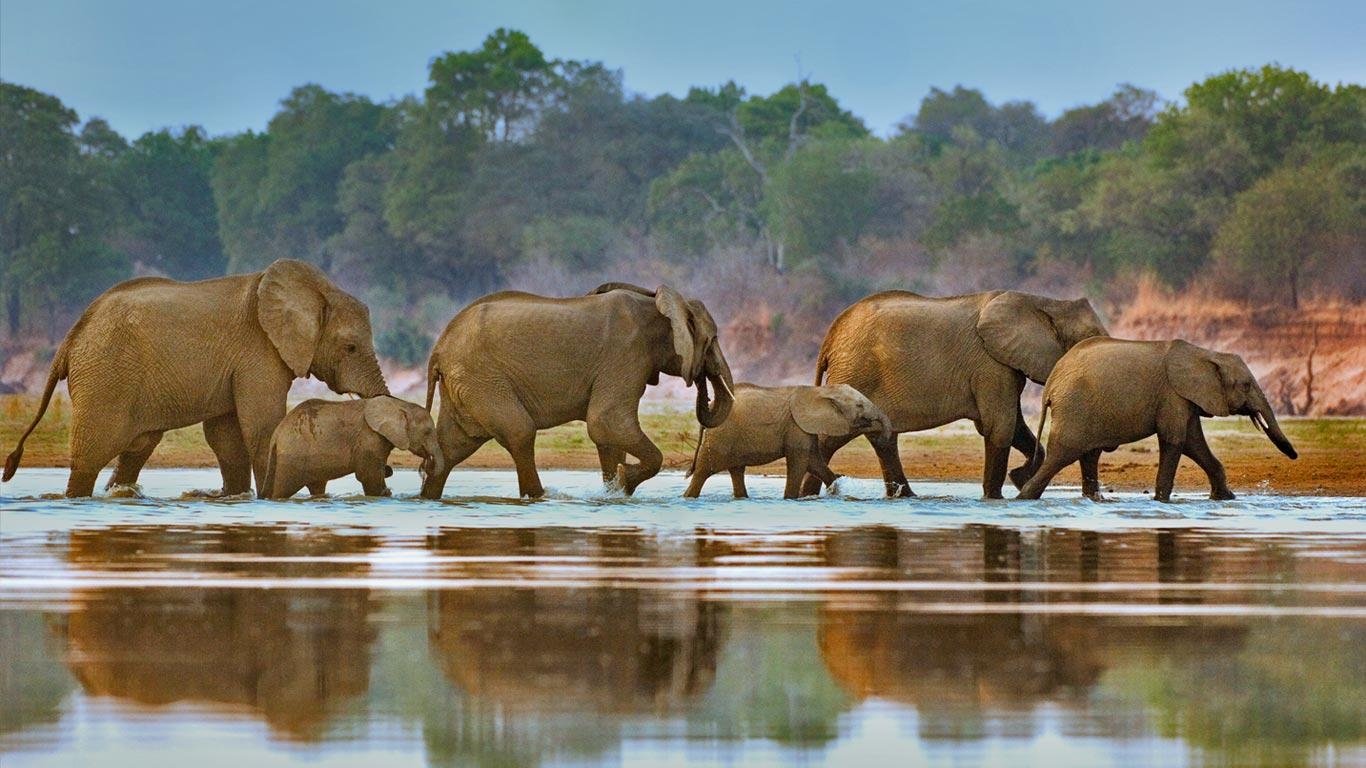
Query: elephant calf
[
  {"x": 322, "y": 440},
  {"x": 1105, "y": 392},
  {"x": 768, "y": 423}
]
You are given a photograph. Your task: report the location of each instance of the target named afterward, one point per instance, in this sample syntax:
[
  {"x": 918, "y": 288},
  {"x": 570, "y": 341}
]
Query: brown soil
[{"x": 1332, "y": 452}]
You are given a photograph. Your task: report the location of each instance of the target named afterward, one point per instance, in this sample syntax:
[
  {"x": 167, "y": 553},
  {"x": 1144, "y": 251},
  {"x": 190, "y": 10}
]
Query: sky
[{"x": 225, "y": 65}]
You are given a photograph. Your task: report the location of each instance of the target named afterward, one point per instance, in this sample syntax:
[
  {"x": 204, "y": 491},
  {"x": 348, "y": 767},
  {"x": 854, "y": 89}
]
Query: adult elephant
[
  {"x": 929, "y": 361},
  {"x": 512, "y": 363},
  {"x": 153, "y": 354}
]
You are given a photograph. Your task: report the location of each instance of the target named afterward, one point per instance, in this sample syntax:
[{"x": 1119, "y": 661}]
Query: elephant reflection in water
[
  {"x": 290, "y": 656},
  {"x": 956, "y": 667},
  {"x": 589, "y": 649}
]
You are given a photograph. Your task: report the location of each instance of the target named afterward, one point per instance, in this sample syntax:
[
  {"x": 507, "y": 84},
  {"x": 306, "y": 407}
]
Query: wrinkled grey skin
[
  {"x": 152, "y": 354},
  {"x": 322, "y": 440},
  {"x": 930, "y": 361},
  {"x": 512, "y": 363},
  {"x": 1107, "y": 392},
  {"x": 769, "y": 423}
]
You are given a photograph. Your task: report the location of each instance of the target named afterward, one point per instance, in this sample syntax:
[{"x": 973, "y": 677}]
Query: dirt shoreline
[{"x": 1332, "y": 453}]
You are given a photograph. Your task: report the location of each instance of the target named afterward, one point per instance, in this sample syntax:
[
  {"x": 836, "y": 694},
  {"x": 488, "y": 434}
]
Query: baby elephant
[
  {"x": 322, "y": 440},
  {"x": 1106, "y": 392},
  {"x": 768, "y": 423}
]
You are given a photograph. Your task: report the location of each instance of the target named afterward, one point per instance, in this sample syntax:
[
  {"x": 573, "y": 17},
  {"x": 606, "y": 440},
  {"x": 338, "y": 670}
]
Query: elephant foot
[
  {"x": 1222, "y": 495},
  {"x": 623, "y": 480},
  {"x": 900, "y": 490},
  {"x": 1094, "y": 496},
  {"x": 1020, "y": 475}
]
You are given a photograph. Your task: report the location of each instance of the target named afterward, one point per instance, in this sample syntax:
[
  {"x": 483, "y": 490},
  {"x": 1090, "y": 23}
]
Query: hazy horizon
[{"x": 154, "y": 64}]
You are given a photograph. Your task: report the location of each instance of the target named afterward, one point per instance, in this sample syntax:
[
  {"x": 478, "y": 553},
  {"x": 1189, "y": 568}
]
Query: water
[{"x": 592, "y": 629}]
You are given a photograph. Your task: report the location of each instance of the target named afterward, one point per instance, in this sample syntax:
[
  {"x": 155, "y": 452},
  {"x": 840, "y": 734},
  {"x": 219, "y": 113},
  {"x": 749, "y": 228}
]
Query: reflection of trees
[
  {"x": 32, "y": 680},
  {"x": 290, "y": 655}
]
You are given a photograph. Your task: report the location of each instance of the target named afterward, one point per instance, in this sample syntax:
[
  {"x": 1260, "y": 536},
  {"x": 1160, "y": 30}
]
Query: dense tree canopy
[{"x": 515, "y": 164}]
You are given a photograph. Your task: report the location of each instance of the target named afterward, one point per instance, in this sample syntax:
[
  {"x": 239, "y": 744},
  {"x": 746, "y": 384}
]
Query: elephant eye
[{"x": 350, "y": 349}]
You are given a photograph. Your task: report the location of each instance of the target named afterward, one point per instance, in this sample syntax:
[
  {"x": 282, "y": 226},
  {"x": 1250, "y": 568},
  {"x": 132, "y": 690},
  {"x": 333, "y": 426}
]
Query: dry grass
[{"x": 1332, "y": 452}]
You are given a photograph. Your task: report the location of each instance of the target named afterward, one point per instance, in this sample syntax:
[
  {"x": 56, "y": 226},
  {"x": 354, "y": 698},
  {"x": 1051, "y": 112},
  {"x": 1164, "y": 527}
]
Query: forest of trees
[{"x": 514, "y": 169}]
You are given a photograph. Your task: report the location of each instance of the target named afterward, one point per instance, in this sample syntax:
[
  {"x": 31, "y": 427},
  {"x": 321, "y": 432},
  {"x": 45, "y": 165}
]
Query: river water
[{"x": 590, "y": 629}]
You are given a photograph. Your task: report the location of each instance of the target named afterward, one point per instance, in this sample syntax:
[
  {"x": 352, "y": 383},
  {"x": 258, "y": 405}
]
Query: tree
[
  {"x": 1290, "y": 224},
  {"x": 495, "y": 90},
  {"x": 172, "y": 222},
  {"x": 1016, "y": 126},
  {"x": 1124, "y": 117}
]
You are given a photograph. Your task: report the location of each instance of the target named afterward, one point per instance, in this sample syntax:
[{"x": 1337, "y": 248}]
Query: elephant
[
  {"x": 1107, "y": 392},
  {"x": 152, "y": 354},
  {"x": 322, "y": 440},
  {"x": 768, "y": 423},
  {"x": 929, "y": 361},
  {"x": 512, "y": 363}
]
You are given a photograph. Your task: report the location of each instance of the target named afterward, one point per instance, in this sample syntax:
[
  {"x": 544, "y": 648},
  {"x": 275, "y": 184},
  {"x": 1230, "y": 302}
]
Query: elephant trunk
[
  {"x": 885, "y": 427},
  {"x": 716, "y": 371},
  {"x": 368, "y": 381},
  {"x": 1265, "y": 419},
  {"x": 432, "y": 462}
]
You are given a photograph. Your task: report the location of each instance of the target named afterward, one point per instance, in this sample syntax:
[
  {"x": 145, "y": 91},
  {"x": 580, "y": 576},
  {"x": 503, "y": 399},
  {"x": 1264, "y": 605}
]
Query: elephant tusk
[{"x": 726, "y": 387}]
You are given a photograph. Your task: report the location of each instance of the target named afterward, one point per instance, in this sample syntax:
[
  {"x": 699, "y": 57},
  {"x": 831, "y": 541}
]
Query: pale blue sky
[{"x": 146, "y": 64}]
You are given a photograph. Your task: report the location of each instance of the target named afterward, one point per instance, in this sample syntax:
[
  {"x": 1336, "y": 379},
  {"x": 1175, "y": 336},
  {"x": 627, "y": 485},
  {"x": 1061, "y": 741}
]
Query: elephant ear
[
  {"x": 1017, "y": 333},
  {"x": 671, "y": 304},
  {"x": 1194, "y": 375},
  {"x": 818, "y": 412},
  {"x": 290, "y": 306},
  {"x": 386, "y": 416}
]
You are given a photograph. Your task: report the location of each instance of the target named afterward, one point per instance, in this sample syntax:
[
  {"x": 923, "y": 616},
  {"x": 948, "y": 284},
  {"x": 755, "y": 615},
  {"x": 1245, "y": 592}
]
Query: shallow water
[{"x": 589, "y": 628}]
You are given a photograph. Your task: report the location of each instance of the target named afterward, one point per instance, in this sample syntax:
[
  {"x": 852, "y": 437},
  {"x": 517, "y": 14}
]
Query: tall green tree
[
  {"x": 495, "y": 91},
  {"x": 171, "y": 224}
]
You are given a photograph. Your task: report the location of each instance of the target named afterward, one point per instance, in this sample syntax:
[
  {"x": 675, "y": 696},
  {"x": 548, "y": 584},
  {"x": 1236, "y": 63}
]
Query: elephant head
[
  {"x": 409, "y": 427},
  {"x": 1220, "y": 384},
  {"x": 837, "y": 411},
  {"x": 699, "y": 354},
  {"x": 318, "y": 328},
  {"x": 1029, "y": 333}
]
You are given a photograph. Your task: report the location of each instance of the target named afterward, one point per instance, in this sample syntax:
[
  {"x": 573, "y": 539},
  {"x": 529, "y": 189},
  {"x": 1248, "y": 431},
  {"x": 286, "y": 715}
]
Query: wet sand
[{"x": 1332, "y": 452}]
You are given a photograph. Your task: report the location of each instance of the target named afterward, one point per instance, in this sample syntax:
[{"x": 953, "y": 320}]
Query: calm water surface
[{"x": 591, "y": 629}]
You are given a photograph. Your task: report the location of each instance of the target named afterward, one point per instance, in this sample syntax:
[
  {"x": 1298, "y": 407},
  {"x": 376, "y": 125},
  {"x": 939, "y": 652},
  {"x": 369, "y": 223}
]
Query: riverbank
[{"x": 1332, "y": 452}]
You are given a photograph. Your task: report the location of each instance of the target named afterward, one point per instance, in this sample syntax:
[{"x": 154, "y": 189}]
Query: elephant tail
[
  {"x": 1038, "y": 433},
  {"x": 267, "y": 489},
  {"x": 695, "y": 451},
  {"x": 58, "y": 372},
  {"x": 433, "y": 377},
  {"x": 822, "y": 362}
]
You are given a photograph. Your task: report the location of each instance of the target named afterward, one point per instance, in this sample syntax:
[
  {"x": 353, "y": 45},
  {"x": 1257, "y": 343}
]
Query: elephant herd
[{"x": 153, "y": 354}]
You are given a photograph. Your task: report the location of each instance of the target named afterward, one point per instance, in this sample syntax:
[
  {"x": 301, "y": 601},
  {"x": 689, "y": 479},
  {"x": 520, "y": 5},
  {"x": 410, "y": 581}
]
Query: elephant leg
[
  {"x": 516, "y": 432},
  {"x": 1169, "y": 455},
  {"x": 817, "y": 468},
  {"x": 318, "y": 488},
  {"x": 609, "y": 458},
  {"x": 287, "y": 483},
  {"x": 694, "y": 489},
  {"x": 996, "y": 458},
  {"x": 796, "y": 471},
  {"x": 371, "y": 479},
  {"x": 1057, "y": 459},
  {"x": 1198, "y": 450},
  {"x": 92, "y": 448},
  {"x": 1090, "y": 474},
  {"x": 621, "y": 430},
  {"x": 737, "y": 483},
  {"x": 888, "y": 453},
  {"x": 1027, "y": 443},
  {"x": 259, "y": 410},
  {"x": 456, "y": 446},
  {"x": 131, "y": 461},
  {"x": 224, "y": 436},
  {"x": 811, "y": 485}
]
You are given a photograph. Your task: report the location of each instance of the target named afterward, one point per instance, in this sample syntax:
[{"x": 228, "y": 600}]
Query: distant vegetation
[{"x": 514, "y": 169}]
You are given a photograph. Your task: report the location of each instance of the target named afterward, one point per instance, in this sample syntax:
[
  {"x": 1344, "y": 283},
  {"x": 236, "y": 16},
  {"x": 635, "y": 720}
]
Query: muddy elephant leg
[
  {"x": 318, "y": 489},
  {"x": 456, "y": 446},
  {"x": 1198, "y": 450},
  {"x": 1057, "y": 459},
  {"x": 620, "y": 430},
  {"x": 287, "y": 483},
  {"x": 1169, "y": 455},
  {"x": 888, "y": 452},
  {"x": 996, "y": 457},
  {"x": 224, "y": 436},
  {"x": 737, "y": 483},
  {"x": 609, "y": 458},
  {"x": 817, "y": 468},
  {"x": 92, "y": 447},
  {"x": 797, "y": 466},
  {"x": 811, "y": 485},
  {"x": 131, "y": 461},
  {"x": 1090, "y": 474},
  {"x": 1025, "y": 442}
]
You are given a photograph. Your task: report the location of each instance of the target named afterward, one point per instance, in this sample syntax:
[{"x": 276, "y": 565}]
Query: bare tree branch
[
  {"x": 794, "y": 137},
  {"x": 736, "y": 132}
]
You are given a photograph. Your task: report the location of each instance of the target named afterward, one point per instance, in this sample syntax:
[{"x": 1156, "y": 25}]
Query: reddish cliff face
[{"x": 1310, "y": 361}]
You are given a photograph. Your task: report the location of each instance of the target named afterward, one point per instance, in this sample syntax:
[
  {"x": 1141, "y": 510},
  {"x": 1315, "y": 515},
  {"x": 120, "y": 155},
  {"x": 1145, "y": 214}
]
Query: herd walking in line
[{"x": 153, "y": 354}]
